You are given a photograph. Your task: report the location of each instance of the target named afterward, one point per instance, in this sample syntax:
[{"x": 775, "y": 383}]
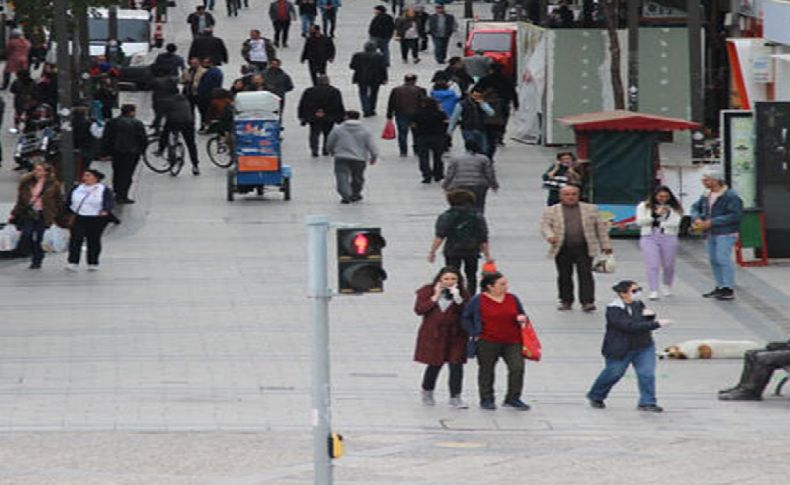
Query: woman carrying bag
[
  {"x": 441, "y": 339},
  {"x": 659, "y": 219},
  {"x": 493, "y": 319},
  {"x": 91, "y": 204},
  {"x": 37, "y": 205}
]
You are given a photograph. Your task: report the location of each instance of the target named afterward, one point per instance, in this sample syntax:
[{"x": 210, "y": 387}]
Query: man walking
[
  {"x": 472, "y": 112},
  {"x": 206, "y": 45},
  {"x": 472, "y": 171},
  {"x": 352, "y": 145},
  {"x": 318, "y": 51},
  {"x": 329, "y": 15},
  {"x": 276, "y": 80},
  {"x": 282, "y": 12},
  {"x": 124, "y": 139},
  {"x": 257, "y": 50},
  {"x": 718, "y": 213},
  {"x": 321, "y": 106},
  {"x": 381, "y": 30},
  {"x": 576, "y": 233},
  {"x": 403, "y": 103},
  {"x": 307, "y": 13},
  {"x": 209, "y": 81},
  {"x": 441, "y": 26},
  {"x": 200, "y": 20},
  {"x": 169, "y": 61},
  {"x": 370, "y": 72}
]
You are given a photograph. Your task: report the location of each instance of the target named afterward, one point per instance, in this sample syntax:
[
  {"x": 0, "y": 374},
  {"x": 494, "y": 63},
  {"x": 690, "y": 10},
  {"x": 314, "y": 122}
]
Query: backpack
[{"x": 466, "y": 232}]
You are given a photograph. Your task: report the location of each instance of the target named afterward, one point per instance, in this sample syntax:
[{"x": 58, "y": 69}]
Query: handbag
[
  {"x": 389, "y": 130},
  {"x": 530, "y": 344},
  {"x": 604, "y": 263}
]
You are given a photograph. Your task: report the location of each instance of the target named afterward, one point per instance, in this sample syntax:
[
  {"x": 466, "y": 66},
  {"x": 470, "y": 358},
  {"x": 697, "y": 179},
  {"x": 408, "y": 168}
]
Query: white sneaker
[
  {"x": 427, "y": 398},
  {"x": 666, "y": 290},
  {"x": 93, "y": 267},
  {"x": 72, "y": 267},
  {"x": 458, "y": 403},
  {"x": 653, "y": 295}
]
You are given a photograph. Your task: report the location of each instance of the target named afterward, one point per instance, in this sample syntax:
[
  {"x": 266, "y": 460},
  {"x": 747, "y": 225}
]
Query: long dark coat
[{"x": 440, "y": 338}]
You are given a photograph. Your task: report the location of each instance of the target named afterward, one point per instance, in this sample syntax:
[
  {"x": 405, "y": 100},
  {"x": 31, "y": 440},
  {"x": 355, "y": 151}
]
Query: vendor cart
[
  {"x": 622, "y": 149},
  {"x": 257, "y": 160}
]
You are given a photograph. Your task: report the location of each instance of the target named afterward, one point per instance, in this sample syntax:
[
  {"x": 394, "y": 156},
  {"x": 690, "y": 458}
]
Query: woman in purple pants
[{"x": 659, "y": 219}]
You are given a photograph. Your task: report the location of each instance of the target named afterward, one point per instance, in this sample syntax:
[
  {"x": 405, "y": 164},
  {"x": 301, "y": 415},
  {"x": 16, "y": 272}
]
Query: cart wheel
[
  {"x": 230, "y": 185},
  {"x": 286, "y": 188},
  {"x": 259, "y": 189}
]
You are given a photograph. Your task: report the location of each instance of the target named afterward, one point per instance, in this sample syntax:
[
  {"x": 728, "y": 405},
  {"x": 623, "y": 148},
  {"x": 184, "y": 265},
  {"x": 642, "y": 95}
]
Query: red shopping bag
[
  {"x": 389, "y": 131},
  {"x": 530, "y": 344}
]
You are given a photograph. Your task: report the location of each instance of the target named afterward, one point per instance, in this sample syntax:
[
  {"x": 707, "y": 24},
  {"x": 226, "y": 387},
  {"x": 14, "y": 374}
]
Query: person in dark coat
[
  {"x": 199, "y": 21},
  {"x": 276, "y": 80},
  {"x": 409, "y": 31},
  {"x": 464, "y": 231},
  {"x": 440, "y": 338},
  {"x": 257, "y": 50},
  {"x": 441, "y": 26},
  {"x": 381, "y": 30},
  {"x": 628, "y": 341},
  {"x": 404, "y": 101},
  {"x": 209, "y": 81},
  {"x": 370, "y": 72},
  {"x": 504, "y": 87},
  {"x": 457, "y": 73},
  {"x": 321, "y": 106},
  {"x": 281, "y": 12},
  {"x": 124, "y": 139},
  {"x": 318, "y": 51},
  {"x": 206, "y": 45},
  {"x": 430, "y": 134},
  {"x": 180, "y": 118},
  {"x": 171, "y": 62},
  {"x": 162, "y": 86}
]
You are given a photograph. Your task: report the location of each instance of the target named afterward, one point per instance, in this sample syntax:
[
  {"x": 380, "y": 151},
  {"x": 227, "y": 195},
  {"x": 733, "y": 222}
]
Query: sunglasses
[{"x": 635, "y": 290}]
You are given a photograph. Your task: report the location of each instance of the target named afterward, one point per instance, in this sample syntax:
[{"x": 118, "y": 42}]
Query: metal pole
[
  {"x": 695, "y": 76},
  {"x": 65, "y": 99},
  {"x": 633, "y": 54},
  {"x": 112, "y": 28},
  {"x": 319, "y": 294}
]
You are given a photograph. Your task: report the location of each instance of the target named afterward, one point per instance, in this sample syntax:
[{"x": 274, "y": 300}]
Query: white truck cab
[{"x": 134, "y": 32}]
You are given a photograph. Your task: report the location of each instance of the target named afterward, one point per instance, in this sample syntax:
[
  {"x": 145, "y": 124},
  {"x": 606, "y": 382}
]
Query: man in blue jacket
[{"x": 718, "y": 213}]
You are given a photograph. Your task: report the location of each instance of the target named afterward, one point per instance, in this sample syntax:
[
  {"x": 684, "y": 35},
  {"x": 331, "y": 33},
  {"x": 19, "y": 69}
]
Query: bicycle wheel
[
  {"x": 177, "y": 158},
  {"x": 156, "y": 162},
  {"x": 219, "y": 152}
]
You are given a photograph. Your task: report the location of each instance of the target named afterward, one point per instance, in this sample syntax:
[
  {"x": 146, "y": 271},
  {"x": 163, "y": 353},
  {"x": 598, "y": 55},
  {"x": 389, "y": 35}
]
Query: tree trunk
[{"x": 614, "y": 52}]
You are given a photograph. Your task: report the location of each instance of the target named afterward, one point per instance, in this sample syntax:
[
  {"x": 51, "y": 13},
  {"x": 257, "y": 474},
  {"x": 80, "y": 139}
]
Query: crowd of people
[{"x": 471, "y": 93}]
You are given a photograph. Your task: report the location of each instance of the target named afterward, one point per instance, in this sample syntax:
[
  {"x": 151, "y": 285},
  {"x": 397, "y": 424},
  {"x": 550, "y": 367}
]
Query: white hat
[{"x": 714, "y": 173}]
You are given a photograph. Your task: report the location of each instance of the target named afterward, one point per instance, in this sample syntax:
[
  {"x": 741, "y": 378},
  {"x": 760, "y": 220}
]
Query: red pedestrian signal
[{"x": 360, "y": 266}]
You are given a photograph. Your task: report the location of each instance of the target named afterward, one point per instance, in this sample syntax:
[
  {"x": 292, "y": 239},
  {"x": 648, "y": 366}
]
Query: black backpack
[{"x": 466, "y": 231}]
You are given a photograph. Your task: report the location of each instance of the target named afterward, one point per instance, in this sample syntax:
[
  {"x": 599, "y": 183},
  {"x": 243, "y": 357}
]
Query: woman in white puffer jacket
[{"x": 659, "y": 219}]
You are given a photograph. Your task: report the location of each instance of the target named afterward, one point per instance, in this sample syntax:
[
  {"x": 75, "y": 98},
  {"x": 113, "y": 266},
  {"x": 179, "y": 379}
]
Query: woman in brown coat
[
  {"x": 441, "y": 339},
  {"x": 17, "y": 51},
  {"x": 38, "y": 202}
]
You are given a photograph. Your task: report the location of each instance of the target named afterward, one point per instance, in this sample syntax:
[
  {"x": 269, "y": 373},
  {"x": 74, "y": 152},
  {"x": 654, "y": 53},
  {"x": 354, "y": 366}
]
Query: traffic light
[{"x": 359, "y": 262}]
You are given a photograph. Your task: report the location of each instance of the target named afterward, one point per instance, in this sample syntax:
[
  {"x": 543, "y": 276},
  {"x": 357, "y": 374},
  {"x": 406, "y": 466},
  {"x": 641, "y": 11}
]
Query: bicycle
[
  {"x": 170, "y": 160},
  {"x": 220, "y": 152}
]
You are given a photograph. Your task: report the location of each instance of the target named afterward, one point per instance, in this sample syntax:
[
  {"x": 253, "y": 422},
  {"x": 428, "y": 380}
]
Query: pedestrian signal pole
[
  {"x": 320, "y": 294},
  {"x": 359, "y": 258}
]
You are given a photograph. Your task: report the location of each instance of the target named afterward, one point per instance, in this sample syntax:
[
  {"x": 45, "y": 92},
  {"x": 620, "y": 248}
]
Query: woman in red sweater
[
  {"x": 441, "y": 339},
  {"x": 494, "y": 319}
]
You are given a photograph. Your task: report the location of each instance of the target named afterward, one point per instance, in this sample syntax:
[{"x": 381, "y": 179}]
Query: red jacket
[{"x": 440, "y": 338}]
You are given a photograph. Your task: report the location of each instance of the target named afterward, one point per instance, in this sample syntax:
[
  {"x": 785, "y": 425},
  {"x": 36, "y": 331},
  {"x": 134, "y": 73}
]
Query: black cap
[{"x": 623, "y": 286}]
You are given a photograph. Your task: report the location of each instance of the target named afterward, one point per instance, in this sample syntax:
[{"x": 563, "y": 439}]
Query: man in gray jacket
[
  {"x": 471, "y": 171},
  {"x": 352, "y": 145}
]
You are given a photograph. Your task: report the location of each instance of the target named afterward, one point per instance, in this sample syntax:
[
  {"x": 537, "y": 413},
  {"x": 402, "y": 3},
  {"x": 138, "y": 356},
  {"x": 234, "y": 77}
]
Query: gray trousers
[{"x": 349, "y": 176}]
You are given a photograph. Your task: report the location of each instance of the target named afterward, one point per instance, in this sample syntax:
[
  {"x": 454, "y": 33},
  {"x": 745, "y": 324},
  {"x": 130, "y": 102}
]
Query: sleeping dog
[{"x": 709, "y": 349}]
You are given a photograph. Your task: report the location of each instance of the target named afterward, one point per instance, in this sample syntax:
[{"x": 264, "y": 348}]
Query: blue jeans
[
  {"x": 33, "y": 231},
  {"x": 307, "y": 22},
  {"x": 720, "y": 254},
  {"x": 403, "y": 133},
  {"x": 384, "y": 46},
  {"x": 440, "y": 48},
  {"x": 368, "y": 96},
  {"x": 477, "y": 135},
  {"x": 644, "y": 362},
  {"x": 209, "y": 4}
]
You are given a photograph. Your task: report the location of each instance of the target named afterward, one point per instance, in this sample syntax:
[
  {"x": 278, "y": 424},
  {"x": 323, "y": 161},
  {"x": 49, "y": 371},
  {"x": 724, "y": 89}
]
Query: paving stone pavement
[{"x": 186, "y": 359}]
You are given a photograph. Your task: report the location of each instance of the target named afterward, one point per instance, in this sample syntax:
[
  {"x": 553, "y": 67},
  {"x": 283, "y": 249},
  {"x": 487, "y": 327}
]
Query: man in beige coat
[{"x": 576, "y": 235}]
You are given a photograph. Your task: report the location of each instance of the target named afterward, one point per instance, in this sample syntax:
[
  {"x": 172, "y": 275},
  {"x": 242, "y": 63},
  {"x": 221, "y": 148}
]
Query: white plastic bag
[
  {"x": 9, "y": 237},
  {"x": 604, "y": 263},
  {"x": 55, "y": 240}
]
